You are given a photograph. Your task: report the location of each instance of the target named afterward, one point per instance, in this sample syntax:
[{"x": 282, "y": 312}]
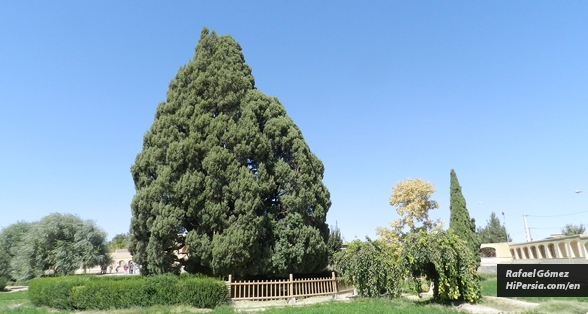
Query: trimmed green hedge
[{"x": 117, "y": 292}]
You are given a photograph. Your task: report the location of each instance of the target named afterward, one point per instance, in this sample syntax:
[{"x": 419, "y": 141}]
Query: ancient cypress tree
[
  {"x": 226, "y": 177},
  {"x": 459, "y": 220}
]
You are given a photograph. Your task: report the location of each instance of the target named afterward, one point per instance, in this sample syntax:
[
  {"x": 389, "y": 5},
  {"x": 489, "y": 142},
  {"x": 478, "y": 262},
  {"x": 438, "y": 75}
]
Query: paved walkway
[
  {"x": 254, "y": 306},
  {"x": 15, "y": 288}
]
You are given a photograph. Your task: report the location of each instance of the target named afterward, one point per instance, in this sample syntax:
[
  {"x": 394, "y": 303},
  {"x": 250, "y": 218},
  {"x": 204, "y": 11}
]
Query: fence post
[
  {"x": 291, "y": 289},
  {"x": 229, "y": 286},
  {"x": 334, "y": 285}
]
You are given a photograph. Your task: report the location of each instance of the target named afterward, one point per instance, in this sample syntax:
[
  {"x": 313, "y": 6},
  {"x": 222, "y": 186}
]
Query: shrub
[
  {"x": 103, "y": 293},
  {"x": 444, "y": 259},
  {"x": 54, "y": 291},
  {"x": 202, "y": 293},
  {"x": 371, "y": 266},
  {"x": 3, "y": 281},
  {"x": 162, "y": 288}
]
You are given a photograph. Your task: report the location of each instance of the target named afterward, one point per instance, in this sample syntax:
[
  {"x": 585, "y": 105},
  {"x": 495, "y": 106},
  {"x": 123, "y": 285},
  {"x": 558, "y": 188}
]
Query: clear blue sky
[{"x": 382, "y": 91}]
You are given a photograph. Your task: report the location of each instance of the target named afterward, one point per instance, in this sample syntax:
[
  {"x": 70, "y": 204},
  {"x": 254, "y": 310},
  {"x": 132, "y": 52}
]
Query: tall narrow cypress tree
[
  {"x": 226, "y": 177},
  {"x": 459, "y": 220}
]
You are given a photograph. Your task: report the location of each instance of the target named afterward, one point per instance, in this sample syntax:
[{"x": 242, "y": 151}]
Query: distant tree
[
  {"x": 494, "y": 232},
  {"x": 413, "y": 199},
  {"x": 225, "y": 173},
  {"x": 10, "y": 239},
  {"x": 571, "y": 229},
  {"x": 460, "y": 221},
  {"x": 62, "y": 243},
  {"x": 119, "y": 241},
  {"x": 334, "y": 243}
]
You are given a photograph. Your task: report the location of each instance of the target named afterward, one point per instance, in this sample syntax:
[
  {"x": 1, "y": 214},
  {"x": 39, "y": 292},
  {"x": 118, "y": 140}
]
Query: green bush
[
  {"x": 444, "y": 259},
  {"x": 371, "y": 267},
  {"x": 117, "y": 292},
  {"x": 202, "y": 293},
  {"x": 3, "y": 281}
]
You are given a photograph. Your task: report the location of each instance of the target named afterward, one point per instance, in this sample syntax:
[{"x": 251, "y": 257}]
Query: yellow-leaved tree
[{"x": 412, "y": 197}]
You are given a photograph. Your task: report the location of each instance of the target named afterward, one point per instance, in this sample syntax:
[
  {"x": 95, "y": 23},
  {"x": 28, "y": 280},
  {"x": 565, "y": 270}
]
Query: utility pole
[
  {"x": 527, "y": 232},
  {"x": 504, "y": 226}
]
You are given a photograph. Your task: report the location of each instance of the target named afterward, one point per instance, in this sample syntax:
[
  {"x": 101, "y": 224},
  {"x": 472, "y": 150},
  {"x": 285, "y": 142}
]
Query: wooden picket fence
[{"x": 288, "y": 289}]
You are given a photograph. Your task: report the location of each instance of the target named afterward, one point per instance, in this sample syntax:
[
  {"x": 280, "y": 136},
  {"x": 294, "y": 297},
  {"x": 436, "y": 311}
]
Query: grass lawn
[
  {"x": 18, "y": 302},
  {"x": 561, "y": 305},
  {"x": 488, "y": 284},
  {"x": 394, "y": 306}
]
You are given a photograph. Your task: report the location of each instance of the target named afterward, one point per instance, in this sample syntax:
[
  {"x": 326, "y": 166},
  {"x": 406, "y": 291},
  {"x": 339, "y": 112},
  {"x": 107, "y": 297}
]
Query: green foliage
[
  {"x": 444, "y": 258},
  {"x": 413, "y": 201},
  {"x": 225, "y": 173},
  {"x": 334, "y": 243},
  {"x": 3, "y": 281},
  {"x": 10, "y": 240},
  {"x": 494, "y": 232},
  {"x": 371, "y": 266},
  {"x": 54, "y": 291},
  {"x": 119, "y": 241},
  {"x": 104, "y": 293},
  {"x": 61, "y": 243},
  {"x": 571, "y": 229},
  {"x": 460, "y": 220}
]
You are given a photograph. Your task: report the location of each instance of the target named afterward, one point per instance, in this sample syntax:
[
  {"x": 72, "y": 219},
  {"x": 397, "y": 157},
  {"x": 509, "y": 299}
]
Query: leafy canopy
[
  {"x": 10, "y": 242},
  {"x": 445, "y": 259},
  {"x": 62, "y": 243},
  {"x": 422, "y": 251},
  {"x": 413, "y": 199},
  {"x": 226, "y": 177},
  {"x": 119, "y": 241},
  {"x": 439, "y": 256},
  {"x": 371, "y": 266}
]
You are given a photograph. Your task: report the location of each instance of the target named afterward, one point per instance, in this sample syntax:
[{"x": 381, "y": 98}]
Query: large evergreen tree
[
  {"x": 459, "y": 220},
  {"x": 226, "y": 174}
]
